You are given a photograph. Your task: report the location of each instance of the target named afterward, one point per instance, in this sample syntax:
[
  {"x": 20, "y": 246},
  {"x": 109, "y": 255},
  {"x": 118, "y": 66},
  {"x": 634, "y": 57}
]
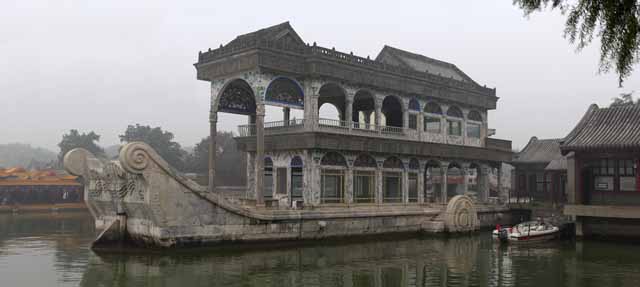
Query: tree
[
  {"x": 617, "y": 24},
  {"x": 75, "y": 139},
  {"x": 230, "y": 162},
  {"x": 161, "y": 141},
  {"x": 625, "y": 99}
]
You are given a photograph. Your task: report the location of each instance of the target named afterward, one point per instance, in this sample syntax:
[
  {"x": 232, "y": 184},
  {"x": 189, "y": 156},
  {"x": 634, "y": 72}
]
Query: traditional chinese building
[
  {"x": 410, "y": 129},
  {"x": 603, "y": 153},
  {"x": 540, "y": 172},
  {"x": 21, "y": 187}
]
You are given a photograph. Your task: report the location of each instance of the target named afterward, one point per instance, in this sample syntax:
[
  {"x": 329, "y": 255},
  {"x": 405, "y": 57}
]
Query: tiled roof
[
  {"x": 276, "y": 32},
  {"x": 539, "y": 151},
  {"x": 606, "y": 129},
  {"x": 559, "y": 163},
  {"x": 395, "y": 56}
]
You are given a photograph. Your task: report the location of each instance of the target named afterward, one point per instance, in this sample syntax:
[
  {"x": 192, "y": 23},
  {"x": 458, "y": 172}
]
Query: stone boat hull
[{"x": 140, "y": 199}]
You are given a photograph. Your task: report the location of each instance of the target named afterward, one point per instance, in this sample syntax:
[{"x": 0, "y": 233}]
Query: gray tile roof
[
  {"x": 272, "y": 33},
  {"x": 606, "y": 129},
  {"x": 395, "y": 56},
  {"x": 539, "y": 151},
  {"x": 557, "y": 164}
]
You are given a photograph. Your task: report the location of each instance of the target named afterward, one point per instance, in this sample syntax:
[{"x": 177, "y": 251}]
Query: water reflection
[{"x": 55, "y": 248}]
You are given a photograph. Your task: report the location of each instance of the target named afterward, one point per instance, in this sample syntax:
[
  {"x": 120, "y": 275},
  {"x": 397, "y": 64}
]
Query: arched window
[
  {"x": 296, "y": 178},
  {"x": 364, "y": 179},
  {"x": 285, "y": 91},
  {"x": 433, "y": 108},
  {"x": 237, "y": 98},
  {"x": 474, "y": 124},
  {"x": 454, "y": 122},
  {"x": 332, "y": 178},
  {"x": 392, "y": 180},
  {"x": 392, "y": 111},
  {"x": 432, "y": 119},
  {"x": 473, "y": 174}
]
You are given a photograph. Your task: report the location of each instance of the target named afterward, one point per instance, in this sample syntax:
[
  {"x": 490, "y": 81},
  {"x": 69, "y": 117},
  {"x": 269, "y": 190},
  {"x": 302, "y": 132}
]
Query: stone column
[
  {"x": 378, "y": 111},
  {"x": 484, "y": 184},
  {"x": 405, "y": 118},
  {"x": 420, "y": 184},
  {"x": 349, "y": 112},
  {"x": 443, "y": 189},
  {"x": 405, "y": 185},
  {"x": 286, "y": 115},
  {"x": 379, "y": 183},
  {"x": 349, "y": 185},
  {"x": 420, "y": 125},
  {"x": 259, "y": 154},
  {"x": 213, "y": 122}
]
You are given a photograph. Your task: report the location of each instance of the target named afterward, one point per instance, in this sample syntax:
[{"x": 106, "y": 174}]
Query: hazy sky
[{"x": 101, "y": 65}]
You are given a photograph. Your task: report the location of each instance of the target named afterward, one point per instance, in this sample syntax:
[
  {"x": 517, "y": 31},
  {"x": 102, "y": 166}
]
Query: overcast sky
[{"x": 101, "y": 65}]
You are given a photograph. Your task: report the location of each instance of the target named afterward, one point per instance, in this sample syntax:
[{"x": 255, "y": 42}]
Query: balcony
[
  {"x": 339, "y": 127},
  {"x": 330, "y": 126}
]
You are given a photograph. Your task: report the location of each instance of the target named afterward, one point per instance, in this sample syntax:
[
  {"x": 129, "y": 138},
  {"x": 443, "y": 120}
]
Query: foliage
[
  {"x": 625, "y": 99},
  {"x": 616, "y": 22},
  {"x": 159, "y": 140},
  {"x": 75, "y": 139},
  {"x": 230, "y": 163},
  {"x": 24, "y": 155}
]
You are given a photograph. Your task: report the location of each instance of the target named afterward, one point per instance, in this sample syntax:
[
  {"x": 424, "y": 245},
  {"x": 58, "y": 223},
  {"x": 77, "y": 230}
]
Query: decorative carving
[
  {"x": 365, "y": 160},
  {"x": 285, "y": 91},
  {"x": 461, "y": 215},
  {"x": 112, "y": 182},
  {"x": 237, "y": 98},
  {"x": 333, "y": 158},
  {"x": 296, "y": 161}
]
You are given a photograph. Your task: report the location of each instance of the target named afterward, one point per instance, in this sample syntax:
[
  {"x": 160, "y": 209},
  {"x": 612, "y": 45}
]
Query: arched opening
[
  {"x": 454, "y": 121},
  {"x": 473, "y": 180},
  {"x": 268, "y": 178},
  {"x": 332, "y": 183},
  {"x": 332, "y": 94},
  {"x": 236, "y": 101},
  {"x": 392, "y": 111},
  {"x": 286, "y": 92},
  {"x": 392, "y": 180},
  {"x": 474, "y": 124},
  {"x": 433, "y": 182},
  {"x": 432, "y": 119},
  {"x": 297, "y": 178},
  {"x": 455, "y": 180},
  {"x": 364, "y": 179},
  {"x": 284, "y": 103},
  {"x": 363, "y": 110},
  {"x": 412, "y": 176}
]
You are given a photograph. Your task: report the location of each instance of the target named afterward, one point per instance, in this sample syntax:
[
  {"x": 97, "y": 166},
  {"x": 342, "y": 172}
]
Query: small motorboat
[{"x": 529, "y": 231}]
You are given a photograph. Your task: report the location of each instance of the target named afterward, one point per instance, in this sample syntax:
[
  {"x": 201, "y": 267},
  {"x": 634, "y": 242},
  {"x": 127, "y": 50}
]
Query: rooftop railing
[{"x": 318, "y": 51}]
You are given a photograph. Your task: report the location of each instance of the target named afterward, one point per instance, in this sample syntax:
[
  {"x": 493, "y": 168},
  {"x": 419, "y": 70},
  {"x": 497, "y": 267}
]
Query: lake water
[{"x": 53, "y": 250}]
